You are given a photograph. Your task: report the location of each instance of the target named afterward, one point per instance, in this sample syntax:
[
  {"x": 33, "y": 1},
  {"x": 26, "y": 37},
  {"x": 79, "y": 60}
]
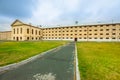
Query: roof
[
  {"x": 21, "y": 23},
  {"x": 80, "y": 25}
]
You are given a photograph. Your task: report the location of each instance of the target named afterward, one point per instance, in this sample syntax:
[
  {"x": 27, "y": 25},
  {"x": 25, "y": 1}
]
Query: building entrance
[
  {"x": 17, "y": 39},
  {"x": 75, "y": 39}
]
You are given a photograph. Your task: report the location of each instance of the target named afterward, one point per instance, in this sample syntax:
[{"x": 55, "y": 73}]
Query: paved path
[{"x": 55, "y": 65}]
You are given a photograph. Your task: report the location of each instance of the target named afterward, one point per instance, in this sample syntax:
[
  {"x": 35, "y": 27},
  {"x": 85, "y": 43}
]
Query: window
[
  {"x": 75, "y": 30},
  {"x": 32, "y": 31},
  {"x": 80, "y": 38},
  {"x": 107, "y": 33},
  {"x": 95, "y": 34},
  {"x": 90, "y": 30},
  {"x": 101, "y": 29},
  {"x": 17, "y": 30},
  {"x": 67, "y": 31},
  {"x": 95, "y": 38},
  {"x": 107, "y": 37},
  {"x": 21, "y": 30},
  {"x": 80, "y": 30},
  {"x": 80, "y": 34},
  {"x": 113, "y": 38},
  {"x": 39, "y": 32},
  {"x": 113, "y": 29},
  {"x": 27, "y": 38},
  {"x": 90, "y": 38},
  {"x": 90, "y": 34},
  {"x": 84, "y": 37},
  {"x": 95, "y": 26},
  {"x": 113, "y": 33},
  {"x": 101, "y": 37},
  {"x": 14, "y": 31},
  {"x": 36, "y": 32},
  {"x": 101, "y": 33},
  {"x": 27, "y": 31},
  {"x": 107, "y": 29},
  {"x": 95, "y": 30},
  {"x": 113, "y": 24},
  {"x": 14, "y": 38},
  {"x": 21, "y": 38}
]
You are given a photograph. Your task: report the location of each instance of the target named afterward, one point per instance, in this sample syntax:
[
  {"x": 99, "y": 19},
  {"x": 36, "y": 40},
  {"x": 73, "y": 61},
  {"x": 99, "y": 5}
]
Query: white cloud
[
  {"x": 57, "y": 12},
  {"x": 100, "y": 10},
  {"x": 50, "y": 11}
]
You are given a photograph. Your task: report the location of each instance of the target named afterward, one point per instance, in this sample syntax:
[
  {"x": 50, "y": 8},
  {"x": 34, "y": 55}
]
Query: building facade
[
  {"x": 6, "y": 35},
  {"x": 25, "y": 32},
  {"x": 99, "y": 32}
]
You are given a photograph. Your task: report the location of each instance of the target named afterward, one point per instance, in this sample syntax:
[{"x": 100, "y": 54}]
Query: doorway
[
  {"x": 17, "y": 39},
  {"x": 75, "y": 39}
]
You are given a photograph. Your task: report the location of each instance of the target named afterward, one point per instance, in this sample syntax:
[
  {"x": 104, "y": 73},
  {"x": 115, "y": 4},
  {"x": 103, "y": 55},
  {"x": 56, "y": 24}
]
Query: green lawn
[
  {"x": 99, "y": 60},
  {"x": 11, "y": 52}
]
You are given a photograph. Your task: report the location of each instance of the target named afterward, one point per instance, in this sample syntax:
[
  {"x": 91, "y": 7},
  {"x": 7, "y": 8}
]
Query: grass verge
[
  {"x": 11, "y": 52},
  {"x": 99, "y": 60}
]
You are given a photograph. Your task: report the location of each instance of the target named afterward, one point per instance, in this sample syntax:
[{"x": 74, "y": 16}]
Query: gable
[{"x": 17, "y": 23}]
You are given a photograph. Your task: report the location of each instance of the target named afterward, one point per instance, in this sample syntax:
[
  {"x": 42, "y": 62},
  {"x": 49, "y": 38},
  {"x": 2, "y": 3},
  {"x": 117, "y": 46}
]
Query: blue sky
[{"x": 58, "y": 12}]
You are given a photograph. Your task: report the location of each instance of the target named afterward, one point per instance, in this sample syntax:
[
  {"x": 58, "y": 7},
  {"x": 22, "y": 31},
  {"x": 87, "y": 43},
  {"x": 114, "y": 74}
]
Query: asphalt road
[{"x": 55, "y": 65}]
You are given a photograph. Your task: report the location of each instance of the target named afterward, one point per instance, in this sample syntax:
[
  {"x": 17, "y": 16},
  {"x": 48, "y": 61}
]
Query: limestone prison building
[{"x": 97, "y": 32}]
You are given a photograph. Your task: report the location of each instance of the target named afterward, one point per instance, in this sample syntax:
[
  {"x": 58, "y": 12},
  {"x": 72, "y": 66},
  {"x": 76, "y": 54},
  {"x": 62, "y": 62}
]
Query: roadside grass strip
[
  {"x": 12, "y": 52},
  {"x": 99, "y": 60}
]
